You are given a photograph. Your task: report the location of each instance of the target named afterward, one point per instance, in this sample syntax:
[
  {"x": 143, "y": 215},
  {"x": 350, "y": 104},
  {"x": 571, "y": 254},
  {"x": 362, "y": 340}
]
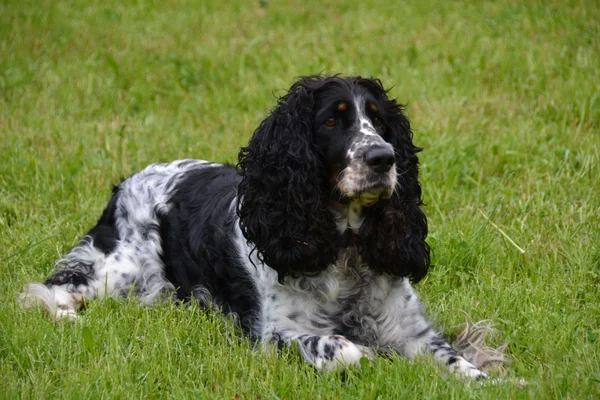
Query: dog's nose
[{"x": 380, "y": 159}]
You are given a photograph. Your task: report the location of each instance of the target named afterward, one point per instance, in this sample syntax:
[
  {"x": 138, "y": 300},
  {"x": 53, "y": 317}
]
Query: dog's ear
[
  {"x": 283, "y": 195},
  {"x": 394, "y": 230}
]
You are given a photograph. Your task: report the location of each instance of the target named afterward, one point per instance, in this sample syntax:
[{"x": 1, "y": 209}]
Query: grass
[{"x": 503, "y": 96}]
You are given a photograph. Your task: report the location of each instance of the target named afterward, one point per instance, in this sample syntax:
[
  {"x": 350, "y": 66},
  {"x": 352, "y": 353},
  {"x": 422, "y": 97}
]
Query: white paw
[
  {"x": 475, "y": 374},
  {"x": 65, "y": 313},
  {"x": 466, "y": 369},
  {"x": 345, "y": 354}
]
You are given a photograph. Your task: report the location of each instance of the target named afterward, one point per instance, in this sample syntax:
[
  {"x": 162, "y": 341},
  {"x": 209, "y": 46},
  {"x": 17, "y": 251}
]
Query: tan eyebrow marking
[
  {"x": 342, "y": 106},
  {"x": 372, "y": 106}
]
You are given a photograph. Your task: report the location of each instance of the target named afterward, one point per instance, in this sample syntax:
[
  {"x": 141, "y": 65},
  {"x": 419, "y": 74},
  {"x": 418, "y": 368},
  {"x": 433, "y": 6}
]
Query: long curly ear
[
  {"x": 283, "y": 193},
  {"x": 394, "y": 230}
]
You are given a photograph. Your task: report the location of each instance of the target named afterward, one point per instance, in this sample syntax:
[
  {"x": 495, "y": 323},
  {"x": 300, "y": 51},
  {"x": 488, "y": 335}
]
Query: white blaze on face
[{"x": 358, "y": 180}]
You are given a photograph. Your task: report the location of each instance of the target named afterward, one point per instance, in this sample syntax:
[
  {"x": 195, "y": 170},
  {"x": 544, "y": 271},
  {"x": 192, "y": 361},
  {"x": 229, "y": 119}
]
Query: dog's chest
[{"x": 346, "y": 298}]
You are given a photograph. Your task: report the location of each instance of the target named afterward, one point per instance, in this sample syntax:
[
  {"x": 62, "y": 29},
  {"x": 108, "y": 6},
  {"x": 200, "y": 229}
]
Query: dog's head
[
  {"x": 333, "y": 142},
  {"x": 350, "y": 132}
]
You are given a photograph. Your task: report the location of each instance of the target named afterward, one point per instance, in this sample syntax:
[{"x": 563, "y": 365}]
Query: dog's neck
[{"x": 348, "y": 216}]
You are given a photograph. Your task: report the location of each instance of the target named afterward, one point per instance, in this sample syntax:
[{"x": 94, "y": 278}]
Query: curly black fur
[
  {"x": 394, "y": 230},
  {"x": 286, "y": 192}
]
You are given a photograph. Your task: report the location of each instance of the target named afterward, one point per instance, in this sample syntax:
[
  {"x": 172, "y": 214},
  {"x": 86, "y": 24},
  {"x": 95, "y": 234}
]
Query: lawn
[{"x": 504, "y": 96}]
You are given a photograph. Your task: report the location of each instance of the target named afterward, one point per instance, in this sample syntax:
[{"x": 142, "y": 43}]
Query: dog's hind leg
[
  {"x": 76, "y": 275},
  {"x": 74, "y": 279},
  {"x": 87, "y": 272},
  {"x": 121, "y": 254}
]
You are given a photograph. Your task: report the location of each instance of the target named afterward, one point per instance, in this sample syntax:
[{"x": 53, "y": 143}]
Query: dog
[{"x": 314, "y": 238}]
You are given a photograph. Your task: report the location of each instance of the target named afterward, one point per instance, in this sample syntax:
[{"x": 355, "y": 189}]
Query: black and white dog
[{"x": 314, "y": 238}]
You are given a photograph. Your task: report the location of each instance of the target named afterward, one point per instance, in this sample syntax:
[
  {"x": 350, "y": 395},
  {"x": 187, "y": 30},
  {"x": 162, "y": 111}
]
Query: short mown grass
[{"x": 503, "y": 96}]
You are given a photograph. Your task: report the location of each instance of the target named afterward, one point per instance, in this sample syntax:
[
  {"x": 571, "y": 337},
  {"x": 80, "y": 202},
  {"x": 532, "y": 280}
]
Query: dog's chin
[
  {"x": 370, "y": 198},
  {"x": 366, "y": 197}
]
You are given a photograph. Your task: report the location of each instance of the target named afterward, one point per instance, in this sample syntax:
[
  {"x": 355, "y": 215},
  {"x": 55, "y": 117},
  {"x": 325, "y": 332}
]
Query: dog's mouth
[
  {"x": 366, "y": 197},
  {"x": 366, "y": 189},
  {"x": 369, "y": 197}
]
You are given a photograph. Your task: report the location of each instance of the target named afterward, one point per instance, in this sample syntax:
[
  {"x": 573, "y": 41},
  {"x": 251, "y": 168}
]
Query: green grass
[{"x": 504, "y": 97}]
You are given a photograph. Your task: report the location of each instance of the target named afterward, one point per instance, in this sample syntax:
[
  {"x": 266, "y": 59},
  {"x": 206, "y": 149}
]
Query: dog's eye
[
  {"x": 331, "y": 122},
  {"x": 377, "y": 121}
]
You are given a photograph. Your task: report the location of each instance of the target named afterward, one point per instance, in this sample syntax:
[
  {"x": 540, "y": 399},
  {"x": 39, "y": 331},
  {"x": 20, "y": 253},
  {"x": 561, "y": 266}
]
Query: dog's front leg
[
  {"x": 326, "y": 352},
  {"x": 404, "y": 328}
]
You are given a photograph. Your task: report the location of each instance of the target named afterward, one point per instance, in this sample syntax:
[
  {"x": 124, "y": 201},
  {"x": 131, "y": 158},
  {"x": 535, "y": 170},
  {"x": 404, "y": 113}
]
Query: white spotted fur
[
  {"x": 313, "y": 300},
  {"x": 136, "y": 257},
  {"x": 305, "y": 310}
]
